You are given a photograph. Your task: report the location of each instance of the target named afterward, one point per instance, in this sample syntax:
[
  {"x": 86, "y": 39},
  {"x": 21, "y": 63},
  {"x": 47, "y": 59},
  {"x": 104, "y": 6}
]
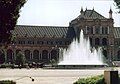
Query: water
[{"x": 80, "y": 53}]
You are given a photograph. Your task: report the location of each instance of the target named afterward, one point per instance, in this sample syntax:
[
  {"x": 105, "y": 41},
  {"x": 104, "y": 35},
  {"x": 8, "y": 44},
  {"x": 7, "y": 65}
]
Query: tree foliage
[
  {"x": 117, "y": 4},
  {"x": 9, "y": 13},
  {"x": 20, "y": 58}
]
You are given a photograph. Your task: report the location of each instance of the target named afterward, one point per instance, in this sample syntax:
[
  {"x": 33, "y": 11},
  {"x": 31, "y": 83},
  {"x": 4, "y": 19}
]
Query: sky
[{"x": 61, "y": 12}]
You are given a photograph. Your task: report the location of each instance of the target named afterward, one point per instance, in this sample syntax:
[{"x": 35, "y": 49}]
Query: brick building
[{"x": 42, "y": 43}]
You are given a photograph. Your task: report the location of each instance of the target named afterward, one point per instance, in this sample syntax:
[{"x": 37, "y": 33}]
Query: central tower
[{"x": 98, "y": 28}]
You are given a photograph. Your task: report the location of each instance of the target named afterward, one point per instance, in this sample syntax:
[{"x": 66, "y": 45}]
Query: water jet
[{"x": 80, "y": 54}]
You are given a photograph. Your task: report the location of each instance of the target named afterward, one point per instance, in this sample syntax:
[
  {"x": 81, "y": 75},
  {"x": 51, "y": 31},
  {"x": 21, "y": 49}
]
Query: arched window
[
  {"x": 106, "y": 30},
  {"x": 97, "y": 30},
  {"x": 45, "y": 55},
  {"x": 17, "y": 51},
  {"x": 118, "y": 55},
  {"x": 9, "y": 55},
  {"x": 87, "y": 30},
  {"x": 104, "y": 41},
  {"x": 27, "y": 54},
  {"x": 36, "y": 54},
  {"x": 91, "y": 30},
  {"x": 105, "y": 54},
  {"x": 97, "y": 41},
  {"x": 54, "y": 54},
  {"x": 90, "y": 41},
  {"x": 102, "y": 30}
]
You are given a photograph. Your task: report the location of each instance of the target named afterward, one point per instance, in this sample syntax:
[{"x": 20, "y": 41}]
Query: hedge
[
  {"x": 93, "y": 80},
  {"x": 7, "y": 82}
]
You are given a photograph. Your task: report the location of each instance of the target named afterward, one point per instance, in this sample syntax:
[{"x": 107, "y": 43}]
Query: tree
[
  {"x": 9, "y": 13},
  {"x": 117, "y": 4},
  {"x": 53, "y": 62},
  {"x": 20, "y": 59}
]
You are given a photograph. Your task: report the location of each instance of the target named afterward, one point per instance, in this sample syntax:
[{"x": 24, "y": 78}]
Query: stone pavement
[{"x": 47, "y": 76}]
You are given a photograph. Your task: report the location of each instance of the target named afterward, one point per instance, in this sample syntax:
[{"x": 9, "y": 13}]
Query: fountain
[{"x": 80, "y": 54}]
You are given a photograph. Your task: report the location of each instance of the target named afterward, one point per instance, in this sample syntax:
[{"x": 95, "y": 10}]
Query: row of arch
[
  {"x": 105, "y": 53},
  {"x": 45, "y": 55},
  {"x": 99, "y": 41},
  {"x": 36, "y": 55}
]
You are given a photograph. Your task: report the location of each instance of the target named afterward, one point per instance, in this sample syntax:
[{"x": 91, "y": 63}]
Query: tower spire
[
  {"x": 110, "y": 13},
  {"x": 86, "y": 8},
  {"x": 93, "y": 7},
  {"x": 81, "y": 10}
]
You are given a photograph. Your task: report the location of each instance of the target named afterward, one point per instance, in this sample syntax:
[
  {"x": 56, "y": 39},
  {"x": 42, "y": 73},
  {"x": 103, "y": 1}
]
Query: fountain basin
[
  {"x": 80, "y": 54},
  {"x": 87, "y": 66}
]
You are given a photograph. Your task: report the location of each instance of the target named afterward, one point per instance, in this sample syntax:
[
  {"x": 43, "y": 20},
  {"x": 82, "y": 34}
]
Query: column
[
  {"x": 14, "y": 51},
  {"x": 58, "y": 55},
  {"x": 100, "y": 29},
  {"x": 49, "y": 55},
  {"x": 40, "y": 55},
  {"x": 108, "y": 30},
  {"x": 93, "y": 29},
  {"x": 86, "y": 30},
  {"x": 93, "y": 41},
  {"x": 31, "y": 55}
]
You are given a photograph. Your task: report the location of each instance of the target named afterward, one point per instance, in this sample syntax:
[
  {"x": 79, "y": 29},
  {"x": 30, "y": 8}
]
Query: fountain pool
[{"x": 80, "y": 53}]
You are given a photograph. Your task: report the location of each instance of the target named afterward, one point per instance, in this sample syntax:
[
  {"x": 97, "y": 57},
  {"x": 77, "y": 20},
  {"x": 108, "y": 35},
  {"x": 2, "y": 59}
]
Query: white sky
[{"x": 61, "y": 12}]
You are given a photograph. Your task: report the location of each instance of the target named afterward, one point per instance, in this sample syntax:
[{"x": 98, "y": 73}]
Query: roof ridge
[
  {"x": 43, "y": 26},
  {"x": 39, "y": 31},
  {"x": 99, "y": 14}
]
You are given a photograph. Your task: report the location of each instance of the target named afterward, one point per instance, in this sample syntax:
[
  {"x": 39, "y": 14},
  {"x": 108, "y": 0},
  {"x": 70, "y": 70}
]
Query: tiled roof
[
  {"x": 43, "y": 31},
  {"x": 91, "y": 14},
  {"x": 116, "y": 32}
]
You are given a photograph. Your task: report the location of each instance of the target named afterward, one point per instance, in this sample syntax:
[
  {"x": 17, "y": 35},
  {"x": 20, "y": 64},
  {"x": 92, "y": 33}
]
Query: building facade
[
  {"x": 42, "y": 43},
  {"x": 98, "y": 28}
]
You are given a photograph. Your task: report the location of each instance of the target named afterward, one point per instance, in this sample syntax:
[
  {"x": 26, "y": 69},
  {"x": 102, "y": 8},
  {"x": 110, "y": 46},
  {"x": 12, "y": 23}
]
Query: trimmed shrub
[
  {"x": 7, "y": 66},
  {"x": 93, "y": 80},
  {"x": 7, "y": 82}
]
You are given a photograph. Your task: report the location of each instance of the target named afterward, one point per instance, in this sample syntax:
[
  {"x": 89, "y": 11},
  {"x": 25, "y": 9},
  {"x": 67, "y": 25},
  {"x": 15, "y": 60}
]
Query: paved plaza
[{"x": 47, "y": 76}]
